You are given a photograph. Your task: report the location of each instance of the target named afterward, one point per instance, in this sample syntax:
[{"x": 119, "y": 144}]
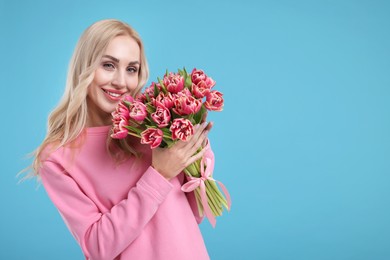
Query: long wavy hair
[{"x": 67, "y": 121}]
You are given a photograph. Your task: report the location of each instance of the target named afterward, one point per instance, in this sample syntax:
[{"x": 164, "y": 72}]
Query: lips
[{"x": 113, "y": 94}]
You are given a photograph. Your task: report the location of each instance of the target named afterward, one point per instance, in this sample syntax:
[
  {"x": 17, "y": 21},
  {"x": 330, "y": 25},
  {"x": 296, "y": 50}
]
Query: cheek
[
  {"x": 132, "y": 82},
  {"x": 102, "y": 77}
]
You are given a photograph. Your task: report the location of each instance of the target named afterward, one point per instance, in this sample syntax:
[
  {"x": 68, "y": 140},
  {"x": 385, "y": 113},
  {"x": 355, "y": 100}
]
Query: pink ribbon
[{"x": 195, "y": 182}]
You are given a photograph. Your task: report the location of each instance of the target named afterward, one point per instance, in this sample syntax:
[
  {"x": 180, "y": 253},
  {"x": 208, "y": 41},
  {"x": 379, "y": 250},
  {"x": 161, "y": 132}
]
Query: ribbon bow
[{"x": 195, "y": 182}]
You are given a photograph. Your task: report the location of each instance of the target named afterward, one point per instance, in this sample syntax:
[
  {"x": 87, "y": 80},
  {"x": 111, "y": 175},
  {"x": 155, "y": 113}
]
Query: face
[{"x": 116, "y": 76}]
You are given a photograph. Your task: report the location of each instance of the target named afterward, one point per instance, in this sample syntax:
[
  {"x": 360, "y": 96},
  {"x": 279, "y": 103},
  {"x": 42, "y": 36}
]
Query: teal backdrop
[{"x": 303, "y": 143}]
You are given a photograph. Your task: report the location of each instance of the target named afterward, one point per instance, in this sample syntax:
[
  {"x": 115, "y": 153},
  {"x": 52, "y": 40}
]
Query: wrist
[{"x": 161, "y": 173}]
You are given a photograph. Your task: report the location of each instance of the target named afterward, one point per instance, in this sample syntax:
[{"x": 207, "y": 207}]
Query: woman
[{"x": 124, "y": 202}]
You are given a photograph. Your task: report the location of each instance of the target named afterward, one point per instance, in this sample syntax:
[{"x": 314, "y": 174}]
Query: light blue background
[{"x": 303, "y": 143}]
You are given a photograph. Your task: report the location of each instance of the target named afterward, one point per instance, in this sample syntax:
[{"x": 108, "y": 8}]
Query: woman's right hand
[{"x": 169, "y": 162}]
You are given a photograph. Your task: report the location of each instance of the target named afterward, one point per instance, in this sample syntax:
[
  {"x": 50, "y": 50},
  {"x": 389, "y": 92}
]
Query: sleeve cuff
[{"x": 155, "y": 184}]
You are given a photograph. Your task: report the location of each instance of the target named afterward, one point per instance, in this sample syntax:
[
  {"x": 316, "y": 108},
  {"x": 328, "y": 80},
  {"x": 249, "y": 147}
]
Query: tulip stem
[
  {"x": 218, "y": 196},
  {"x": 212, "y": 201},
  {"x": 222, "y": 199},
  {"x": 198, "y": 202},
  {"x": 134, "y": 134}
]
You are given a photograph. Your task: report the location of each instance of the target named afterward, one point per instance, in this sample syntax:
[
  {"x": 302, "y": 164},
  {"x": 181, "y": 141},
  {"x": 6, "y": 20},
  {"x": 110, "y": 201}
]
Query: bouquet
[{"x": 167, "y": 111}]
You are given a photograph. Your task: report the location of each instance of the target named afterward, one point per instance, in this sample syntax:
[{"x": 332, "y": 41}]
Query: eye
[
  {"x": 108, "y": 66},
  {"x": 132, "y": 69}
]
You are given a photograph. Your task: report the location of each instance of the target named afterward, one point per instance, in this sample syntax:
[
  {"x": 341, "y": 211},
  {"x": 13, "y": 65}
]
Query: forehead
[{"x": 124, "y": 48}]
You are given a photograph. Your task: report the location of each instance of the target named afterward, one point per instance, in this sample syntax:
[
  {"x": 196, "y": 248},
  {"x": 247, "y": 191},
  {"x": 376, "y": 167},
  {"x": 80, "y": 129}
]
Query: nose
[{"x": 119, "y": 81}]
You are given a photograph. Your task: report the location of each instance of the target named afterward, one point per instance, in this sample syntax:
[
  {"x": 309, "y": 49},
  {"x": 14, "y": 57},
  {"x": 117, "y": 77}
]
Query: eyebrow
[{"x": 117, "y": 60}]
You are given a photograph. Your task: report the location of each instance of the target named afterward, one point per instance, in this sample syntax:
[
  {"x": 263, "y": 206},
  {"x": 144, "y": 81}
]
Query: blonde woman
[{"x": 124, "y": 202}]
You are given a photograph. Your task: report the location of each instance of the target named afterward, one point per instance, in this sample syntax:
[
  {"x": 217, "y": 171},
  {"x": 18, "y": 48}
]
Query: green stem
[
  {"x": 197, "y": 166},
  {"x": 191, "y": 170},
  {"x": 199, "y": 202},
  {"x": 222, "y": 199},
  {"x": 212, "y": 201},
  {"x": 211, "y": 205},
  {"x": 217, "y": 195},
  {"x": 187, "y": 172}
]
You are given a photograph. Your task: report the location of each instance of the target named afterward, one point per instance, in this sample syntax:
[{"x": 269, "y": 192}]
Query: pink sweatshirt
[{"x": 122, "y": 211}]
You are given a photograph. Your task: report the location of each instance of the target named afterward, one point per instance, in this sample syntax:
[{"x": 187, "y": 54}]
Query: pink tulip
[
  {"x": 152, "y": 136},
  {"x": 161, "y": 116},
  {"x": 142, "y": 98},
  {"x": 200, "y": 90},
  {"x": 214, "y": 101},
  {"x": 128, "y": 98},
  {"x": 185, "y": 92},
  {"x": 182, "y": 129},
  {"x": 198, "y": 77},
  {"x": 122, "y": 110},
  {"x": 150, "y": 90},
  {"x": 173, "y": 82},
  {"x": 165, "y": 99},
  {"x": 119, "y": 130},
  {"x": 137, "y": 111},
  {"x": 186, "y": 105}
]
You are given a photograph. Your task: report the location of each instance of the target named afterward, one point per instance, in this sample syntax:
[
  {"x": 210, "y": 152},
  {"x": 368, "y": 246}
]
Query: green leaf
[
  {"x": 156, "y": 90},
  {"x": 166, "y": 131},
  {"x": 164, "y": 89},
  {"x": 181, "y": 72},
  {"x": 187, "y": 79},
  {"x": 127, "y": 103},
  {"x": 163, "y": 144},
  {"x": 150, "y": 108},
  {"x": 134, "y": 129},
  {"x": 198, "y": 116},
  {"x": 191, "y": 118},
  {"x": 152, "y": 124},
  {"x": 188, "y": 83},
  {"x": 169, "y": 142}
]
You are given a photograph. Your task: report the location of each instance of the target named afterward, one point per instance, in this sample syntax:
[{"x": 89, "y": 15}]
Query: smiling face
[{"x": 116, "y": 76}]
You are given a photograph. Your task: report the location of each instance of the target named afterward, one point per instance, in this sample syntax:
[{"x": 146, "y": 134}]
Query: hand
[{"x": 169, "y": 162}]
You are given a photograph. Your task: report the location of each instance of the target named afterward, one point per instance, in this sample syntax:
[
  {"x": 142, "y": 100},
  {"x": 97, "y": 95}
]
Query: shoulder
[
  {"x": 56, "y": 160},
  {"x": 55, "y": 152}
]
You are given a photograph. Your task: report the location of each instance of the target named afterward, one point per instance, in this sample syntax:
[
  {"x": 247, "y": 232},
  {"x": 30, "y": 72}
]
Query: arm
[{"x": 104, "y": 236}]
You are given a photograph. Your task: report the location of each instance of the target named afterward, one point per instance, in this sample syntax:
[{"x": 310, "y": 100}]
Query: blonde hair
[{"x": 68, "y": 120}]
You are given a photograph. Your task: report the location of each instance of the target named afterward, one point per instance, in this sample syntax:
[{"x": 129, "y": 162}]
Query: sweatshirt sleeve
[{"x": 104, "y": 236}]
